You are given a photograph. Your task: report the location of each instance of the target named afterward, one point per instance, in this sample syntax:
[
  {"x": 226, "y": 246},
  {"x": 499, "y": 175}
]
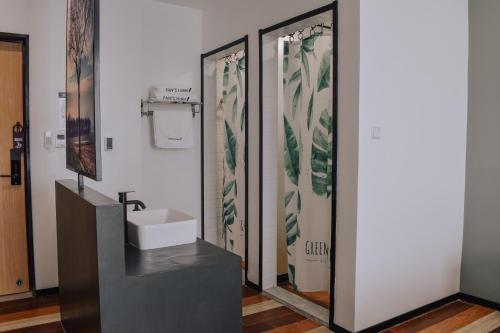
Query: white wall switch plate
[
  {"x": 61, "y": 140},
  {"x": 47, "y": 139},
  {"x": 376, "y": 133},
  {"x": 108, "y": 143}
]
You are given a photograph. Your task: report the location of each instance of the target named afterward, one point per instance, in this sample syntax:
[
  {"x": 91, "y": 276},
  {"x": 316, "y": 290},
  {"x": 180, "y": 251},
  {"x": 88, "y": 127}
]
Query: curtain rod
[{"x": 312, "y": 28}]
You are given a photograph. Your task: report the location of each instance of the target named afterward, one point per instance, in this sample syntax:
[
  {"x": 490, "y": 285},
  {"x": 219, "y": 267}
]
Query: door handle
[
  {"x": 15, "y": 155},
  {"x": 15, "y": 166}
]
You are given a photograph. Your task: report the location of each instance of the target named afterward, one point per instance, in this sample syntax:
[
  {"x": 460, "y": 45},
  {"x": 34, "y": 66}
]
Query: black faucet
[{"x": 122, "y": 198}]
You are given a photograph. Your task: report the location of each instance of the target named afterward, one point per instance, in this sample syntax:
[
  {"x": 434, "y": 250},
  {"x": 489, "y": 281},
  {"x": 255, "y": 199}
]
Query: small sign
[{"x": 61, "y": 112}]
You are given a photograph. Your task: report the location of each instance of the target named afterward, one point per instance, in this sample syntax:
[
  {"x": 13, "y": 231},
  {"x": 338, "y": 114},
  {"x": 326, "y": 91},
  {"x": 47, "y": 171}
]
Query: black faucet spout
[
  {"x": 122, "y": 198},
  {"x": 137, "y": 204}
]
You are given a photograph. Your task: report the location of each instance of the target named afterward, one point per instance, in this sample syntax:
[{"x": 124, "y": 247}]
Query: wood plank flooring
[
  {"x": 455, "y": 317},
  {"x": 262, "y": 314},
  {"x": 37, "y": 315},
  {"x": 322, "y": 298}
]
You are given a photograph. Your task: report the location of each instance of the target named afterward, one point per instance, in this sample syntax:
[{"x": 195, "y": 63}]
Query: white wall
[
  {"x": 413, "y": 84},
  {"x": 138, "y": 48},
  {"x": 171, "y": 49},
  {"x": 347, "y": 163},
  {"x": 12, "y": 16}
]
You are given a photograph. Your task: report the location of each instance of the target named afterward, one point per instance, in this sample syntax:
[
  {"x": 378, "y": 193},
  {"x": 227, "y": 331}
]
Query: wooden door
[{"x": 14, "y": 273}]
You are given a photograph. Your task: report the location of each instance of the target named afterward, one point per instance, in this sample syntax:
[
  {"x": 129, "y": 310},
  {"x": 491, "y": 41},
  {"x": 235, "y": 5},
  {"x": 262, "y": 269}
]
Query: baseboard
[
  {"x": 16, "y": 297},
  {"x": 252, "y": 285},
  {"x": 401, "y": 318},
  {"x": 283, "y": 278},
  {"x": 47, "y": 292},
  {"x": 479, "y": 301},
  {"x": 339, "y": 329}
]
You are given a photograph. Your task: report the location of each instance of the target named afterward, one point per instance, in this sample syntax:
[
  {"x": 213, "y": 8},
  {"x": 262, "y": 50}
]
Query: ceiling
[
  {"x": 202, "y": 4},
  {"x": 186, "y": 3}
]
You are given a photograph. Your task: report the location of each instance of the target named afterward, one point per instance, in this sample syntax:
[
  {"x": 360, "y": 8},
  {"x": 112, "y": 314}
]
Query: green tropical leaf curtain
[
  {"x": 231, "y": 145},
  {"x": 306, "y": 127}
]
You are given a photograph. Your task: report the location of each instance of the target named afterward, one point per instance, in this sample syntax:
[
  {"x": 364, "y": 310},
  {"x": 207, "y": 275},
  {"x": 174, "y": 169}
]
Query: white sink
[{"x": 156, "y": 228}]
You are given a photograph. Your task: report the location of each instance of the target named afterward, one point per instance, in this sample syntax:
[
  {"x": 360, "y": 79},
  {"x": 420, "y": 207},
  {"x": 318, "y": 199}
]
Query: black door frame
[
  {"x": 333, "y": 8},
  {"x": 244, "y": 41},
  {"x": 24, "y": 41}
]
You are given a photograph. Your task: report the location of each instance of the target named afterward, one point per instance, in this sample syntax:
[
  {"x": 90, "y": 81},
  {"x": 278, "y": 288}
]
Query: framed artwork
[{"x": 83, "y": 149}]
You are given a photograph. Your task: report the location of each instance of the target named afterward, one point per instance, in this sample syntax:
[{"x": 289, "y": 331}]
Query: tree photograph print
[{"x": 81, "y": 92}]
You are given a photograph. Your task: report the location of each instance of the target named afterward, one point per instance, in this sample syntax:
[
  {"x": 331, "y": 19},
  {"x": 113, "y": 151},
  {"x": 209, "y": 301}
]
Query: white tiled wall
[
  {"x": 219, "y": 156},
  {"x": 270, "y": 160},
  {"x": 210, "y": 144}
]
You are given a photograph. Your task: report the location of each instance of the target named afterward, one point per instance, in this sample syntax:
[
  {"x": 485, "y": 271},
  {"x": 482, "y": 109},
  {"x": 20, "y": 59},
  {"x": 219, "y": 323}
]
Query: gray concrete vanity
[{"x": 108, "y": 287}]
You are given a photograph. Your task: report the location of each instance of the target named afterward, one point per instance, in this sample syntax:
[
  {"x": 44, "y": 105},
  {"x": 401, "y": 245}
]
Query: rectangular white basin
[{"x": 157, "y": 228}]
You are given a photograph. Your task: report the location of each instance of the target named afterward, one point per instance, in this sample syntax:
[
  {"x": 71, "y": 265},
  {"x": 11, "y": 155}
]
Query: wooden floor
[
  {"x": 321, "y": 298},
  {"x": 261, "y": 314},
  {"x": 34, "y": 315},
  {"x": 457, "y": 317}
]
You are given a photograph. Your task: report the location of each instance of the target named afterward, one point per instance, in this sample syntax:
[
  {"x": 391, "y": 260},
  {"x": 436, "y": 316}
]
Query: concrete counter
[{"x": 108, "y": 287}]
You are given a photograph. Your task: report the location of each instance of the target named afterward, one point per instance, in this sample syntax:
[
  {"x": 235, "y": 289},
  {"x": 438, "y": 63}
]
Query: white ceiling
[
  {"x": 185, "y": 3},
  {"x": 201, "y": 4}
]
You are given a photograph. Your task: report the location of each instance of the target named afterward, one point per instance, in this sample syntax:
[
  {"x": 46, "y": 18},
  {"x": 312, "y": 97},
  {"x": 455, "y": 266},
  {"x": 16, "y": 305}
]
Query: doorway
[
  {"x": 16, "y": 254},
  {"x": 224, "y": 148},
  {"x": 298, "y": 126}
]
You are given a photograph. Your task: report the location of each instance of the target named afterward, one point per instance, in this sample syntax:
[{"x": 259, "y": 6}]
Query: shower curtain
[
  {"x": 231, "y": 146},
  {"x": 307, "y": 134}
]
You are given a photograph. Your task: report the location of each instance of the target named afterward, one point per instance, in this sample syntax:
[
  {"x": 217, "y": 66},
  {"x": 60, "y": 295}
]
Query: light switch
[
  {"x": 61, "y": 139},
  {"x": 376, "y": 133},
  {"x": 108, "y": 143}
]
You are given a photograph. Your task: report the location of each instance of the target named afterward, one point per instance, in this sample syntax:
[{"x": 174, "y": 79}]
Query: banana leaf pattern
[
  {"x": 307, "y": 155},
  {"x": 321, "y": 156},
  {"x": 231, "y": 146}
]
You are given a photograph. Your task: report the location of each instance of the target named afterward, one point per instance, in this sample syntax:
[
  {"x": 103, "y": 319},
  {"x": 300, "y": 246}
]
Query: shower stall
[
  {"x": 224, "y": 152},
  {"x": 298, "y": 159},
  {"x": 305, "y": 162},
  {"x": 230, "y": 147}
]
